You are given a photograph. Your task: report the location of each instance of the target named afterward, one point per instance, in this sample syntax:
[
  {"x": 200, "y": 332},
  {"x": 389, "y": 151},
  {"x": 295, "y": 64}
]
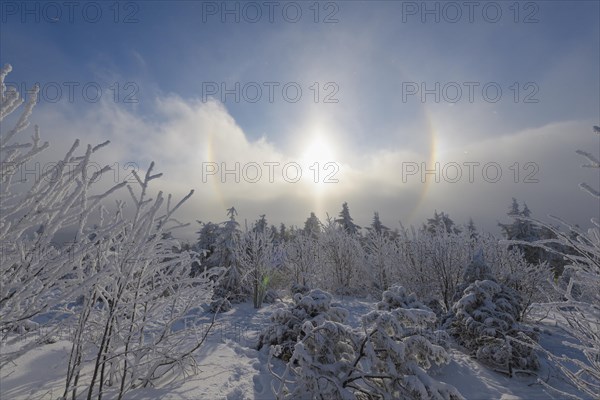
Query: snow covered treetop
[{"x": 477, "y": 270}]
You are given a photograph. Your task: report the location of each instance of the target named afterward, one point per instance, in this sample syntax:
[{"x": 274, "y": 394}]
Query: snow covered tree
[
  {"x": 206, "y": 245},
  {"x": 522, "y": 229},
  {"x": 485, "y": 319},
  {"x": 261, "y": 225},
  {"x": 398, "y": 297},
  {"x": 442, "y": 222},
  {"x": 342, "y": 261},
  {"x": 472, "y": 229},
  {"x": 485, "y": 322},
  {"x": 36, "y": 274},
  {"x": 412, "y": 263},
  {"x": 302, "y": 255},
  {"x": 431, "y": 262},
  {"x": 447, "y": 252},
  {"x": 287, "y": 321},
  {"x": 346, "y": 221},
  {"x": 511, "y": 230},
  {"x": 381, "y": 256},
  {"x": 284, "y": 233},
  {"x": 476, "y": 270},
  {"x": 230, "y": 286},
  {"x": 386, "y": 359},
  {"x": 433, "y": 266},
  {"x": 377, "y": 226},
  {"x": 530, "y": 281},
  {"x": 312, "y": 226},
  {"x": 275, "y": 234},
  {"x": 257, "y": 257}
]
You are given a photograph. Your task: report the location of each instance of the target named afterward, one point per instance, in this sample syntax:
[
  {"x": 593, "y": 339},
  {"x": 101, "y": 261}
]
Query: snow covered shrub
[
  {"x": 319, "y": 364},
  {"x": 381, "y": 258},
  {"x": 286, "y": 322},
  {"x": 124, "y": 282},
  {"x": 477, "y": 270},
  {"x": 398, "y": 297},
  {"x": 485, "y": 322},
  {"x": 431, "y": 262},
  {"x": 387, "y": 359},
  {"x": 510, "y": 267},
  {"x": 302, "y": 256},
  {"x": 131, "y": 324},
  {"x": 36, "y": 274},
  {"x": 257, "y": 257},
  {"x": 342, "y": 261}
]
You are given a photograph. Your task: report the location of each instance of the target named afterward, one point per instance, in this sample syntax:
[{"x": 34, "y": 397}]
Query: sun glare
[{"x": 318, "y": 150}]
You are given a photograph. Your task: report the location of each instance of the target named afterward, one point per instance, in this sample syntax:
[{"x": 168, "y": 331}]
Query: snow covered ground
[{"x": 229, "y": 367}]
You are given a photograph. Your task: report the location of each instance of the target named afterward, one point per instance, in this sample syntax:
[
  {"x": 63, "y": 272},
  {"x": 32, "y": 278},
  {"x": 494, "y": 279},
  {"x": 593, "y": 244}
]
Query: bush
[
  {"x": 286, "y": 323},
  {"x": 387, "y": 359},
  {"x": 485, "y": 322}
]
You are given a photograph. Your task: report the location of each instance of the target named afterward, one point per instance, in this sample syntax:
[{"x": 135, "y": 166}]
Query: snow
[{"x": 230, "y": 368}]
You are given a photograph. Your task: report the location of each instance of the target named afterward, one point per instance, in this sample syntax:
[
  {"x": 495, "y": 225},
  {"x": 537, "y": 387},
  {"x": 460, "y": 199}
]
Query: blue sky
[{"x": 169, "y": 53}]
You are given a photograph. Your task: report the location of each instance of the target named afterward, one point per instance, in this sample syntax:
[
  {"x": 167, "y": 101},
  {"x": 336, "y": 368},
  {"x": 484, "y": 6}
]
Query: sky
[{"x": 286, "y": 108}]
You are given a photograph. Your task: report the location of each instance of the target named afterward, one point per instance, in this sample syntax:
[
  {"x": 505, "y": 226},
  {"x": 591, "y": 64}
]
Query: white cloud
[{"x": 186, "y": 134}]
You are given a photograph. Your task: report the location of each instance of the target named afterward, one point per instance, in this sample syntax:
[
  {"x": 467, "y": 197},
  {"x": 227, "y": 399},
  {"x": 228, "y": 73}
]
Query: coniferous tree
[
  {"x": 472, "y": 229},
  {"x": 275, "y": 234},
  {"x": 206, "y": 245},
  {"x": 523, "y": 229},
  {"x": 312, "y": 226},
  {"x": 284, "y": 234},
  {"x": 377, "y": 226},
  {"x": 261, "y": 224},
  {"x": 346, "y": 221},
  {"x": 224, "y": 256},
  {"x": 441, "y": 221}
]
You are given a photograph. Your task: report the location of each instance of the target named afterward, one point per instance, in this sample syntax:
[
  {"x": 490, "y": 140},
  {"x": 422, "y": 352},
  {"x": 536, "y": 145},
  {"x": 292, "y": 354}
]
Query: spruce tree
[
  {"x": 346, "y": 221},
  {"x": 312, "y": 226},
  {"x": 441, "y": 221},
  {"x": 377, "y": 226}
]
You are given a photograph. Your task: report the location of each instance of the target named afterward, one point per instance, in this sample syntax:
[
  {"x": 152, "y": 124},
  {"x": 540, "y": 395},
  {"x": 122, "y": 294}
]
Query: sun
[
  {"x": 319, "y": 153},
  {"x": 318, "y": 149}
]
